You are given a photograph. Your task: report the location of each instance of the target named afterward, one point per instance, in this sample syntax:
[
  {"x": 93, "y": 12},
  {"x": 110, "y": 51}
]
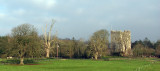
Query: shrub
[
  {"x": 17, "y": 61},
  {"x": 10, "y": 61},
  {"x": 105, "y": 58}
]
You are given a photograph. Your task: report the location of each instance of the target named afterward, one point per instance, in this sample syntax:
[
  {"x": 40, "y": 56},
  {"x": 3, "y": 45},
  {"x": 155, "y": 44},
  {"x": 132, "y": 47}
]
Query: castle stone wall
[{"x": 121, "y": 42}]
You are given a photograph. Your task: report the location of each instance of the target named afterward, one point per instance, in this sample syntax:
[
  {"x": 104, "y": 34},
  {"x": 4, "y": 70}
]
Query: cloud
[
  {"x": 83, "y": 17},
  {"x": 79, "y": 11},
  {"x": 2, "y": 15},
  {"x": 19, "y": 12},
  {"x": 61, "y": 19},
  {"x": 45, "y": 4},
  {"x": 29, "y": 4}
]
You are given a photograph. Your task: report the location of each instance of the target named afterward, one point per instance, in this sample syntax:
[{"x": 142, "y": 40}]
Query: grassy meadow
[{"x": 115, "y": 64}]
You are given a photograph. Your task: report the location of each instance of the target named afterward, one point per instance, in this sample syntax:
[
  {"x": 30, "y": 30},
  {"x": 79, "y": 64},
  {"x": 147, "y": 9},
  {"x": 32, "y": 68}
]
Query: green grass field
[{"x": 88, "y": 65}]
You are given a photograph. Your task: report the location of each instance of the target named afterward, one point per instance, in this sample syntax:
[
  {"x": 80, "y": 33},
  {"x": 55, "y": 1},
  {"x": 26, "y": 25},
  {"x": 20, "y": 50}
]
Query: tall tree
[
  {"x": 22, "y": 38},
  {"x": 142, "y": 51},
  {"x": 157, "y": 46},
  {"x": 137, "y": 42},
  {"x": 65, "y": 48},
  {"x": 47, "y": 38},
  {"x": 138, "y": 49},
  {"x": 99, "y": 40},
  {"x": 89, "y": 51},
  {"x": 3, "y": 46},
  {"x": 148, "y": 43},
  {"x": 74, "y": 47}
]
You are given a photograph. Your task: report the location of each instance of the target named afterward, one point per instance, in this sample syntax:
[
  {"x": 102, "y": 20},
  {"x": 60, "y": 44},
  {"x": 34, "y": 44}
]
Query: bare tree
[{"x": 47, "y": 38}]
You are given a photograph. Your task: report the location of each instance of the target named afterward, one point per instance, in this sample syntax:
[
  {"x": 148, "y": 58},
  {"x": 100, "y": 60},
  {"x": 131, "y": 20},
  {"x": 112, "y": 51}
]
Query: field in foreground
[{"x": 88, "y": 65}]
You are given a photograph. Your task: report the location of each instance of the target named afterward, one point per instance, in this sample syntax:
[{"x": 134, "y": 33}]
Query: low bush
[
  {"x": 17, "y": 61},
  {"x": 10, "y": 61},
  {"x": 0, "y": 59},
  {"x": 29, "y": 61},
  {"x": 105, "y": 58}
]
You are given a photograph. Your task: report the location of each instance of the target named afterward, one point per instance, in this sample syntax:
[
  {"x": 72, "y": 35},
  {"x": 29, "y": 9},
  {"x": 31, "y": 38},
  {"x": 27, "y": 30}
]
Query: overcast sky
[{"x": 81, "y": 18}]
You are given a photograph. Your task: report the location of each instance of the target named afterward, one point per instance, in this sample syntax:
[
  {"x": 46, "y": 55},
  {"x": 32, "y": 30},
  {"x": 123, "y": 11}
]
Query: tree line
[
  {"x": 24, "y": 42},
  {"x": 146, "y": 48}
]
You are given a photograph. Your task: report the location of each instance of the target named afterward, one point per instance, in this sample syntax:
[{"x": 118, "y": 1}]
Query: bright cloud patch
[
  {"x": 19, "y": 12},
  {"x": 79, "y": 11},
  {"x": 47, "y": 4},
  {"x": 2, "y": 15}
]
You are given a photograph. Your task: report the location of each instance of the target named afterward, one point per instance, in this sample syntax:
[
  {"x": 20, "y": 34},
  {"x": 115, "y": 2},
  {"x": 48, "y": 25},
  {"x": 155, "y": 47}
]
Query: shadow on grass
[
  {"x": 73, "y": 67},
  {"x": 23, "y": 65}
]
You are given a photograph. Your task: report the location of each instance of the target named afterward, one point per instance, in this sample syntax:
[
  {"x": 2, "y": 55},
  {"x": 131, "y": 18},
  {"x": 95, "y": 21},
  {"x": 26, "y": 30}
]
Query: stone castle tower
[{"x": 121, "y": 42}]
